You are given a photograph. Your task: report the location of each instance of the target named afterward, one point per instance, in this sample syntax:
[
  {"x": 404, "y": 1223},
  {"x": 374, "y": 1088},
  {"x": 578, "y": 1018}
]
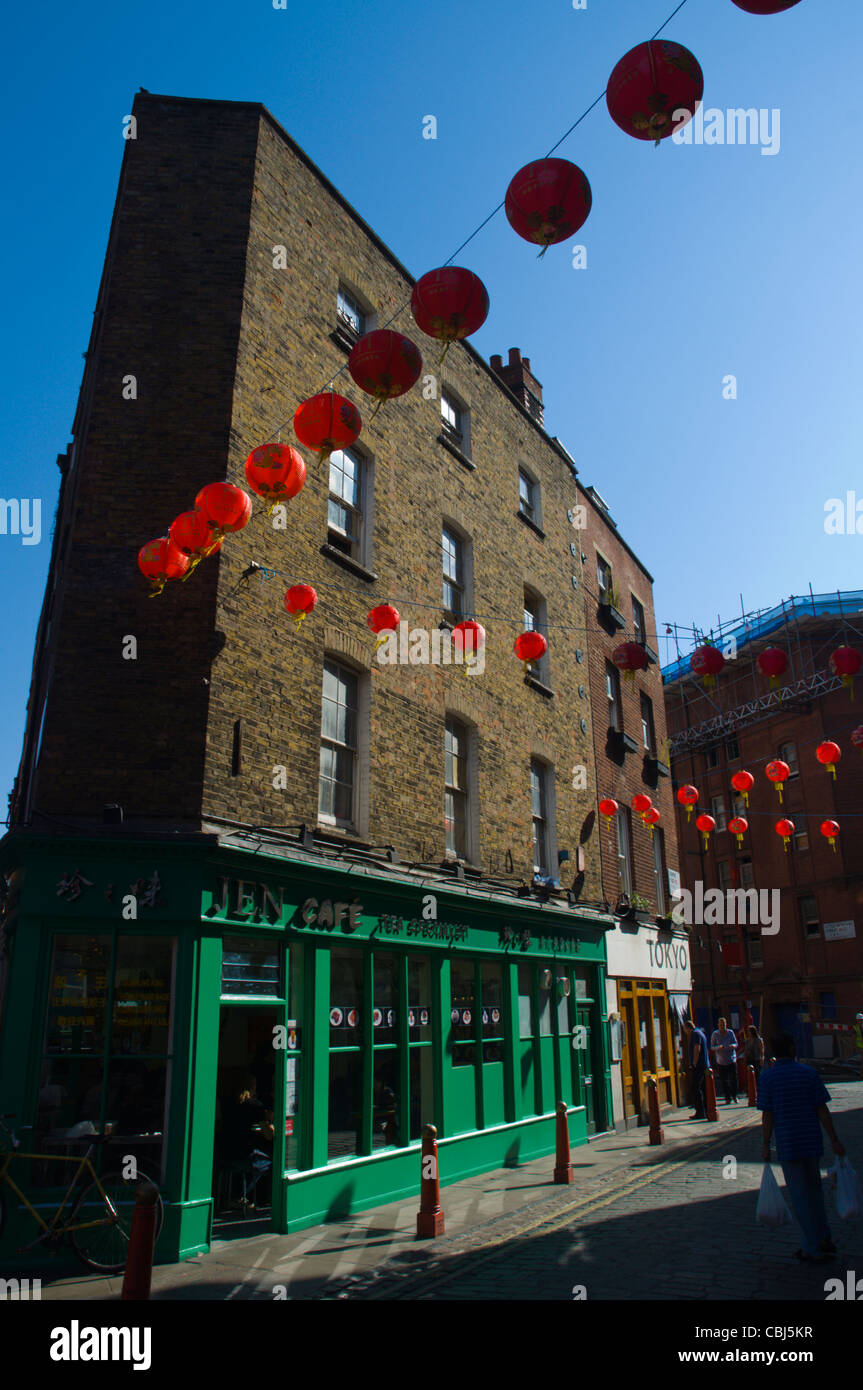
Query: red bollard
[
  {"x": 710, "y": 1095},
  {"x": 751, "y": 1085},
  {"x": 430, "y": 1215},
  {"x": 142, "y": 1238},
  {"x": 562, "y": 1167},
  {"x": 657, "y": 1133}
]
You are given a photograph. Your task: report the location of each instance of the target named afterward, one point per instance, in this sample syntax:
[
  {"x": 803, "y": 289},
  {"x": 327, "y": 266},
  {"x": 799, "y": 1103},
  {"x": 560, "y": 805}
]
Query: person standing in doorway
[
  {"x": 793, "y": 1100},
  {"x": 723, "y": 1046},
  {"x": 698, "y": 1066}
]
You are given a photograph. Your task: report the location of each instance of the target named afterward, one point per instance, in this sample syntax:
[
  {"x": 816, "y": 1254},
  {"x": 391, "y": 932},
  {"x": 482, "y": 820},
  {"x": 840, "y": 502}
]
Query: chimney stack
[{"x": 521, "y": 381}]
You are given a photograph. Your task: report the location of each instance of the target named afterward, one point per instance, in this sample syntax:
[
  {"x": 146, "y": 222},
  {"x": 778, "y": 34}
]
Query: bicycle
[{"x": 95, "y": 1213}]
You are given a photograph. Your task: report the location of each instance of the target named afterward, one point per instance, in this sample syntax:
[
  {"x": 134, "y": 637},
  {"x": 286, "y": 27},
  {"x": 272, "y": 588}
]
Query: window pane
[
  {"x": 142, "y": 994},
  {"x": 292, "y": 1116},
  {"x": 546, "y": 986},
  {"x": 345, "y": 1105},
  {"x": 560, "y": 982},
  {"x": 384, "y": 1019},
  {"x": 69, "y": 1109},
  {"x": 136, "y": 1112},
  {"x": 422, "y": 1093},
  {"x": 385, "y": 1100},
  {"x": 249, "y": 967},
  {"x": 526, "y": 1020},
  {"x": 463, "y": 1012},
  {"x": 419, "y": 998},
  {"x": 79, "y": 994},
  {"x": 346, "y": 997},
  {"x": 492, "y": 999}
]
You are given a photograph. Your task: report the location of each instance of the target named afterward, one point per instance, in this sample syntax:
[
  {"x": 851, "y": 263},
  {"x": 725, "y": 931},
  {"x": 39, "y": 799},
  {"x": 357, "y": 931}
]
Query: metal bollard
[
  {"x": 751, "y": 1086},
  {"x": 142, "y": 1238},
  {"x": 562, "y": 1168},
  {"x": 657, "y": 1133},
  {"x": 430, "y": 1220},
  {"x": 710, "y": 1095}
]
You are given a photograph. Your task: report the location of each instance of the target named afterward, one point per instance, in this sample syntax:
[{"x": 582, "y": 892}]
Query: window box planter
[
  {"x": 612, "y": 616},
  {"x": 654, "y": 768}
]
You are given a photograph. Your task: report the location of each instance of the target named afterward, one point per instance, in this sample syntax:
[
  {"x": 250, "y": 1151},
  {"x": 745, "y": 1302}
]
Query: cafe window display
[{"x": 107, "y": 1046}]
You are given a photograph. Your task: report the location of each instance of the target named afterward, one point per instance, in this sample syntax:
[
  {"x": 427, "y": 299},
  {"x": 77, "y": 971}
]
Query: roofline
[
  {"x": 262, "y": 111},
  {"x": 613, "y": 528}
]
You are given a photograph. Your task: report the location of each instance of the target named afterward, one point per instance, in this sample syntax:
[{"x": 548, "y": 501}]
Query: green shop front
[{"x": 147, "y": 986}]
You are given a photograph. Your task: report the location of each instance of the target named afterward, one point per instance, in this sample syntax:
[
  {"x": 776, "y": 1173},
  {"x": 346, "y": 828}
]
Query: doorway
[{"x": 248, "y": 1116}]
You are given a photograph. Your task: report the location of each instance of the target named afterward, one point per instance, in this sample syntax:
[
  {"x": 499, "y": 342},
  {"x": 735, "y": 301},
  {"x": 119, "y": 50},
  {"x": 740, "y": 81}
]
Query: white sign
[
  {"x": 645, "y": 955},
  {"x": 836, "y": 931},
  {"x": 674, "y": 883}
]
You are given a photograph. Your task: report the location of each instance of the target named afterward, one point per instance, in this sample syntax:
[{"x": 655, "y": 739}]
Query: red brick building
[{"x": 804, "y": 972}]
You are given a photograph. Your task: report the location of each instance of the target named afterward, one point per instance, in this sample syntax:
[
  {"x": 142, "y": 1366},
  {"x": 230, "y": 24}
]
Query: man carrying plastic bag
[{"x": 793, "y": 1099}]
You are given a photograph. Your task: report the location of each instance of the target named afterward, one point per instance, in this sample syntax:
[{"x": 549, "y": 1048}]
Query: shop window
[
  {"x": 526, "y": 1012},
  {"x": 419, "y": 999},
  {"x": 583, "y": 983},
  {"x": 660, "y": 1045},
  {"x": 491, "y": 981},
  {"x": 293, "y": 1057},
  {"x": 346, "y": 998},
  {"x": 122, "y": 1091},
  {"x": 251, "y": 967},
  {"x": 421, "y": 1070},
  {"x": 345, "y": 1138},
  {"x": 385, "y": 1088},
  {"x": 463, "y": 1012},
  {"x": 547, "y": 973},
  {"x": 422, "y": 1090}
]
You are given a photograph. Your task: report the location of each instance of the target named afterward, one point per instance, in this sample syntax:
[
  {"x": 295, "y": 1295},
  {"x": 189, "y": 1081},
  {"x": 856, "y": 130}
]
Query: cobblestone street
[{"x": 668, "y": 1230}]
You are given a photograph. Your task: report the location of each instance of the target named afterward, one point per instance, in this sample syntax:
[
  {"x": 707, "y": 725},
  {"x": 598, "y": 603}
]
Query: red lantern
[
  {"x": 226, "y": 508},
  {"x": 630, "y": 657},
  {"x": 384, "y": 364},
  {"x": 706, "y": 824},
  {"x": 641, "y": 803},
  {"x": 651, "y": 818},
  {"x": 846, "y": 662},
  {"x": 829, "y": 754},
  {"x": 161, "y": 561},
  {"x": 467, "y": 637},
  {"x": 738, "y": 825},
  {"x": 299, "y": 601},
  {"x": 778, "y": 772},
  {"x": 547, "y": 201},
  {"x": 707, "y": 662},
  {"x": 772, "y": 663},
  {"x": 530, "y": 646},
  {"x": 785, "y": 828},
  {"x": 608, "y": 807},
  {"x": 688, "y": 797},
  {"x": 743, "y": 782},
  {"x": 830, "y": 829},
  {"x": 765, "y": 6},
  {"x": 449, "y": 304},
  {"x": 652, "y": 86},
  {"x": 192, "y": 533},
  {"x": 275, "y": 472},
  {"x": 856, "y": 737},
  {"x": 326, "y": 422},
  {"x": 382, "y": 620}
]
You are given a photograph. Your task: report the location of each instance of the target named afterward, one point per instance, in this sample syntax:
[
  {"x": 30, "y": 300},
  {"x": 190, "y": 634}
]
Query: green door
[{"x": 585, "y": 1051}]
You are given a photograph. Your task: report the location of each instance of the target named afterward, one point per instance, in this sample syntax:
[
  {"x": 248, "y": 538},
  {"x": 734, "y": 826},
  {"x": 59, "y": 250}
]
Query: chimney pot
[{"x": 514, "y": 356}]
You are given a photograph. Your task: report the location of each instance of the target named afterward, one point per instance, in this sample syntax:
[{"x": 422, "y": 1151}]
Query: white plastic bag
[
  {"x": 772, "y": 1209},
  {"x": 849, "y": 1199}
]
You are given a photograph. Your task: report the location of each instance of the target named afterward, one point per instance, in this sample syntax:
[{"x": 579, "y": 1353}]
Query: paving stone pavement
[{"x": 681, "y": 1229}]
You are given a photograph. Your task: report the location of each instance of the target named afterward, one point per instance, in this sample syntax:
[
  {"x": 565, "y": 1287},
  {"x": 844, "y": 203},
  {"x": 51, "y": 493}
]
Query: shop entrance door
[
  {"x": 583, "y": 1019},
  {"x": 628, "y": 1058},
  {"x": 250, "y": 1115}
]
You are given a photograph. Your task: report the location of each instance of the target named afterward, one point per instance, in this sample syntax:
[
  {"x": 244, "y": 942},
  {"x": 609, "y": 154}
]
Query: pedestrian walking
[
  {"x": 753, "y": 1049},
  {"x": 723, "y": 1046},
  {"x": 793, "y": 1100},
  {"x": 698, "y": 1066}
]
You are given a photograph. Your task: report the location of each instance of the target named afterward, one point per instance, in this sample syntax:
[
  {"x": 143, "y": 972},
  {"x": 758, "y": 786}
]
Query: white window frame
[
  {"x": 324, "y": 817},
  {"x": 351, "y": 305},
  {"x": 535, "y": 619},
  {"x": 533, "y": 510},
  {"x": 648, "y": 724},
  {"x": 615, "y": 704},
  {"x": 459, "y": 432},
  {"x": 603, "y": 567},
  {"x": 718, "y": 811},
  {"x": 363, "y": 509},
  {"x": 659, "y": 875},
  {"x": 642, "y": 636},
  {"x": 624, "y": 852},
  {"x": 468, "y": 792}
]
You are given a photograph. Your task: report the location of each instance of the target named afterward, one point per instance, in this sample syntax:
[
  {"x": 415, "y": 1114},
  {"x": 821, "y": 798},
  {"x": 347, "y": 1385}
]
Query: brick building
[
  {"x": 226, "y": 830},
  {"x": 802, "y": 972}
]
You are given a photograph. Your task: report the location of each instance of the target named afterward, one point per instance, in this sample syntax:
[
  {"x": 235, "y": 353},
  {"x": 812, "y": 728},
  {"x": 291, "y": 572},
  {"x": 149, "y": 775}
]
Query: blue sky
[{"x": 703, "y": 261}]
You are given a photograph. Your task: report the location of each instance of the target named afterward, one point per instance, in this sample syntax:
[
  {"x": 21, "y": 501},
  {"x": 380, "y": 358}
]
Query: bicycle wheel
[{"x": 104, "y": 1244}]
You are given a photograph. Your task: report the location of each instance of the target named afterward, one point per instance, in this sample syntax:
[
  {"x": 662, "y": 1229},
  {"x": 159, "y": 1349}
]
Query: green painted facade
[{"x": 533, "y": 976}]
